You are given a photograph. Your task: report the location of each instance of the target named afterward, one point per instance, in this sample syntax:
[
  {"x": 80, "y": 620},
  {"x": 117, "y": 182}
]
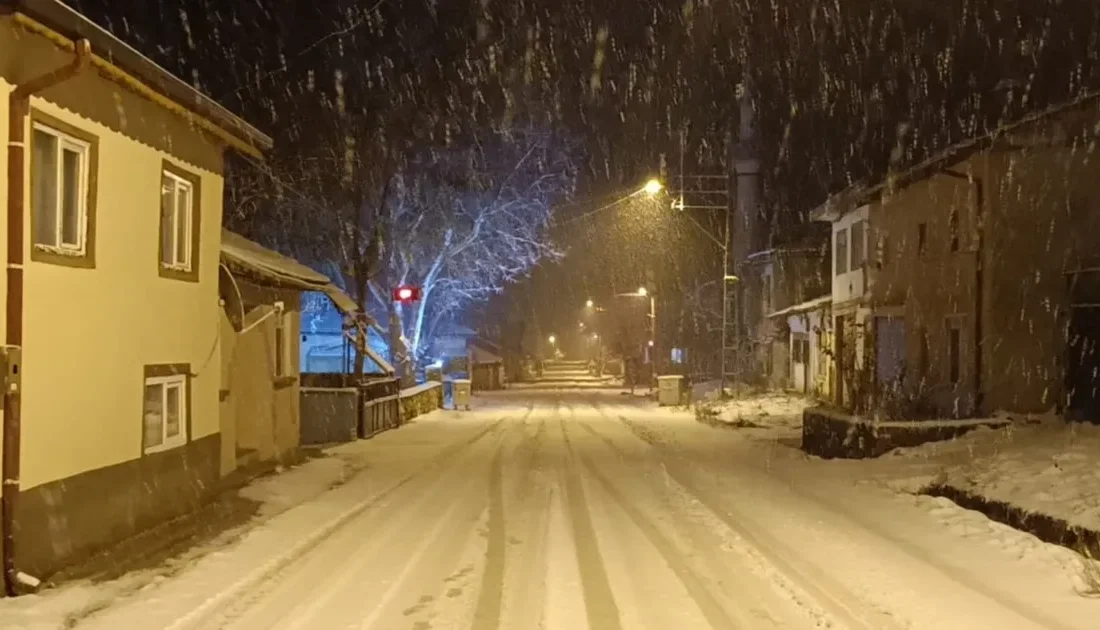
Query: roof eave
[{"x": 70, "y": 24}]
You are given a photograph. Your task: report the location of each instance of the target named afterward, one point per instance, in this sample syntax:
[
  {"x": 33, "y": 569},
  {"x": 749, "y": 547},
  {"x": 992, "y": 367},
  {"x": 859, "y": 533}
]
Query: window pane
[
  {"x": 70, "y": 202},
  {"x": 167, "y": 220},
  {"x": 842, "y": 252},
  {"x": 154, "y": 415},
  {"x": 183, "y": 224},
  {"x": 174, "y": 407},
  {"x": 857, "y": 245},
  {"x": 44, "y": 187}
]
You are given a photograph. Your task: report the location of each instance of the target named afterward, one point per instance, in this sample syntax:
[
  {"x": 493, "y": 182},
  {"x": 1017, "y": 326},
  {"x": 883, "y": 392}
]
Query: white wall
[{"x": 850, "y": 285}]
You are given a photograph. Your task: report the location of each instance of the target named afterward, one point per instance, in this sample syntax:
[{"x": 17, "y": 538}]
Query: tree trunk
[
  {"x": 395, "y": 341},
  {"x": 361, "y": 332}
]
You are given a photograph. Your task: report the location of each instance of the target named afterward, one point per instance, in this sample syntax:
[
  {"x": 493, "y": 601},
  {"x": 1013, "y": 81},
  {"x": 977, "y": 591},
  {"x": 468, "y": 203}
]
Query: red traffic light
[{"x": 406, "y": 294}]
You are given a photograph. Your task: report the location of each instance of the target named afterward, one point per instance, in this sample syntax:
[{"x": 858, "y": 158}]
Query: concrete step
[{"x": 570, "y": 379}]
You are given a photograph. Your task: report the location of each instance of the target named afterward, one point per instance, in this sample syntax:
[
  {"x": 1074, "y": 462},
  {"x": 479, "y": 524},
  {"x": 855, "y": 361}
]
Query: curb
[{"x": 1046, "y": 528}]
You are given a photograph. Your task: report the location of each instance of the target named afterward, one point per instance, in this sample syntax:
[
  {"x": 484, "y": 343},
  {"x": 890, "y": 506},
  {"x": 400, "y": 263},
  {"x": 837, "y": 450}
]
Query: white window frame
[
  {"x": 82, "y": 149},
  {"x": 167, "y": 442},
  {"x": 837, "y": 257},
  {"x": 189, "y": 225}
]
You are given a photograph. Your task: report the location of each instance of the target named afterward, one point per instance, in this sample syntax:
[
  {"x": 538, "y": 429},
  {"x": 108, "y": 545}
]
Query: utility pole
[
  {"x": 652, "y": 341},
  {"x": 712, "y": 194}
]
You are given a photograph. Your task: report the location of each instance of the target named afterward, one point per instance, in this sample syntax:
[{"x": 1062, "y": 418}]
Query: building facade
[
  {"x": 114, "y": 302},
  {"x": 981, "y": 290}
]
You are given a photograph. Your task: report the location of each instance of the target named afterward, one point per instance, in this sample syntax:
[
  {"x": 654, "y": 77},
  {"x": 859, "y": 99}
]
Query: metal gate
[{"x": 379, "y": 408}]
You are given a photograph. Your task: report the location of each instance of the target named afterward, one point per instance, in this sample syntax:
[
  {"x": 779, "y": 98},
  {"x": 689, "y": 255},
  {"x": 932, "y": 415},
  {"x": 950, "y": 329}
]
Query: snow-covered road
[{"x": 572, "y": 510}]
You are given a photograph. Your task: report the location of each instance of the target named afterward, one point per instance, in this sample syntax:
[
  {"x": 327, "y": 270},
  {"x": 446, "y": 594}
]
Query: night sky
[{"x": 843, "y": 89}]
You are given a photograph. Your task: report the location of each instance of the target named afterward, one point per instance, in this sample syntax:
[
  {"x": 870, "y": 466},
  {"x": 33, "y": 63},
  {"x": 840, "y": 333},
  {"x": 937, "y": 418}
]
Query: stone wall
[{"x": 419, "y": 400}]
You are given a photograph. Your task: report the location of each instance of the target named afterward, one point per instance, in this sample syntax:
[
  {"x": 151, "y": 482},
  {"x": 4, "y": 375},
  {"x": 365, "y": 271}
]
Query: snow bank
[
  {"x": 776, "y": 412},
  {"x": 1047, "y": 468}
]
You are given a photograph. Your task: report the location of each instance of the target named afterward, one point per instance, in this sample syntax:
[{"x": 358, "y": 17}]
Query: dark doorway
[{"x": 1083, "y": 349}]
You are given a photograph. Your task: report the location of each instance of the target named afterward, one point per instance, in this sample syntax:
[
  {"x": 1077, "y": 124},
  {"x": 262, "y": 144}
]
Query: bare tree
[
  {"x": 460, "y": 223},
  {"x": 463, "y": 223}
]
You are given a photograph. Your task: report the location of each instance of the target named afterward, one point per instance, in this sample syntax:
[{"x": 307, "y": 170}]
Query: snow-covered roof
[
  {"x": 267, "y": 266},
  {"x": 456, "y": 329},
  {"x": 804, "y": 307},
  {"x": 793, "y": 250}
]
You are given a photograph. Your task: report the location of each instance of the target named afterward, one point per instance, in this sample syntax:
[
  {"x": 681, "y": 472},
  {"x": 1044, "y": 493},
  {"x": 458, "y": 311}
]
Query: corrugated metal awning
[
  {"x": 804, "y": 307},
  {"x": 268, "y": 267}
]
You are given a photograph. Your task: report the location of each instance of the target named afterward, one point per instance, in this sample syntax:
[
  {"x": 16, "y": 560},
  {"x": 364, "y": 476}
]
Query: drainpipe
[
  {"x": 19, "y": 110},
  {"x": 979, "y": 279}
]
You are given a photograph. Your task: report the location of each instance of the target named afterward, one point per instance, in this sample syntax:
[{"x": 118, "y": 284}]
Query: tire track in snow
[
  {"x": 527, "y": 514},
  {"x": 956, "y": 575},
  {"x": 601, "y": 609},
  {"x": 715, "y": 614},
  {"x": 799, "y": 577},
  {"x": 766, "y": 574},
  {"x": 235, "y": 600},
  {"x": 419, "y": 559},
  {"x": 490, "y": 597}
]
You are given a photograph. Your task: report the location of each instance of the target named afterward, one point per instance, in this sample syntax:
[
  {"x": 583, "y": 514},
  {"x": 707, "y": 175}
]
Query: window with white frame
[
  {"x": 165, "y": 412},
  {"x": 59, "y": 190},
  {"x": 177, "y": 207},
  {"x": 841, "y": 250},
  {"x": 857, "y": 246}
]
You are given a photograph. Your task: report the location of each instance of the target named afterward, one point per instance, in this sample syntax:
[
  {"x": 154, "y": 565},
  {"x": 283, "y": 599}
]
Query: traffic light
[{"x": 406, "y": 295}]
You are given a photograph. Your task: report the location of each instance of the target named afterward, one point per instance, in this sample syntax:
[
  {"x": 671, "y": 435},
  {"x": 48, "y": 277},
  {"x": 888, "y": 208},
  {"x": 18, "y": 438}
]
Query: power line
[{"x": 601, "y": 208}]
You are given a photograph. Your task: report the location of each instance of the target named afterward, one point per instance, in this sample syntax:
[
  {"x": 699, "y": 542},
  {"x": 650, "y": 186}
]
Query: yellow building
[{"x": 112, "y": 241}]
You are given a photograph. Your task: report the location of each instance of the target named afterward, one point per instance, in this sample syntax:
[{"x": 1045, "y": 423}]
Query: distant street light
[
  {"x": 652, "y": 187},
  {"x": 552, "y": 340},
  {"x": 642, "y": 292},
  {"x": 589, "y": 304},
  {"x": 595, "y": 337}
]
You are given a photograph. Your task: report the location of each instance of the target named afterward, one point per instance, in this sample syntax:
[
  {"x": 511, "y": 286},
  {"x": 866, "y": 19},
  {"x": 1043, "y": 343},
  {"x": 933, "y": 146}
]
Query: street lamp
[
  {"x": 642, "y": 292},
  {"x": 652, "y": 187},
  {"x": 552, "y": 339},
  {"x": 589, "y": 304}
]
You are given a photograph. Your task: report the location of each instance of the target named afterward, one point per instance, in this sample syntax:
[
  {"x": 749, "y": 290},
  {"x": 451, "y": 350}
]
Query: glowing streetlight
[
  {"x": 552, "y": 339},
  {"x": 642, "y": 291},
  {"x": 652, "y": 187},
  {"x": 589, "y": 304},
  {"x": 595, "y": 337}
]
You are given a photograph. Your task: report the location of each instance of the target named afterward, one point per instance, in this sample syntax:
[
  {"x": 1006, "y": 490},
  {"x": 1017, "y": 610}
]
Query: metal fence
[
  {"x": 380, "y": 406},
  {"x": 336, "y": 408}
]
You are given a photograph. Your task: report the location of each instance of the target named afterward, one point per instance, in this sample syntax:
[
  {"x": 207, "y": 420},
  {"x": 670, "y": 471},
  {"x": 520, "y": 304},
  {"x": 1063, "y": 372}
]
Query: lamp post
[{"x": 651, "y": 346}]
